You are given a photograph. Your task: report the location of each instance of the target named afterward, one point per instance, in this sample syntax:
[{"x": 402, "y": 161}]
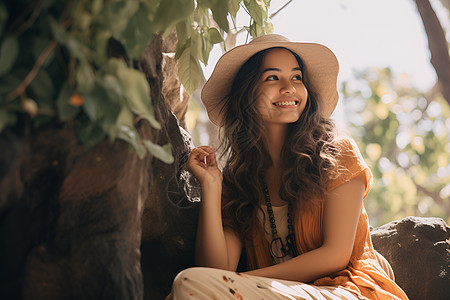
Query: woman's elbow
[
  {"x": 337, "y": 260},
  {"x": 341, "y": 261}
]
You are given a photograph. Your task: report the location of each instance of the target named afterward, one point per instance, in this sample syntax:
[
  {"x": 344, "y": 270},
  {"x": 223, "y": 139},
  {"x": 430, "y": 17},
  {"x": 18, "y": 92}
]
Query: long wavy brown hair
[{"x": 308, "y": 155}]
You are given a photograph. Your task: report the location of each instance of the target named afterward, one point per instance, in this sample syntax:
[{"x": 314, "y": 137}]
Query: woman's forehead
[{"x": 278, "y": 58}]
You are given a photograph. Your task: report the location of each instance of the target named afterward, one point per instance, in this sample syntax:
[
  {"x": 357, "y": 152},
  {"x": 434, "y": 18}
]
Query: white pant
[{"x": 208, "y": 283}]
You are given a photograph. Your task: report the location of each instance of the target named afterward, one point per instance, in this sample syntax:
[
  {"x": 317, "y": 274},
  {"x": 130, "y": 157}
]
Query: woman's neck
[{"x": 275, "y": 137}]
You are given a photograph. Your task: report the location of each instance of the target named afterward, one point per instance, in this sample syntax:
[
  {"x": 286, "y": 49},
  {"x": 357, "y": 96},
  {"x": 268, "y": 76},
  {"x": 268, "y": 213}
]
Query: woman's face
[{"x": 282, "y": 95}]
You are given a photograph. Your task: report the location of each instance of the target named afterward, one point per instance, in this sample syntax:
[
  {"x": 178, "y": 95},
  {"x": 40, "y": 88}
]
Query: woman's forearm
[
  {"x": 306, "y": 267},
  {"x": 211, "y": 250}
]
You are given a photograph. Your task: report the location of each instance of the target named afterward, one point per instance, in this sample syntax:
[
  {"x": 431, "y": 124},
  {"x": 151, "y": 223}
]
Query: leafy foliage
[
  {"x": 55, "y": 61},
  {"x": 404, "y": 134}
]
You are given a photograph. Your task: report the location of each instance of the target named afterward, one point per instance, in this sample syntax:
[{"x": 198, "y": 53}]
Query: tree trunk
[
  {"x": 437, "y": 44},
  {"x": 74, "y": 221}
]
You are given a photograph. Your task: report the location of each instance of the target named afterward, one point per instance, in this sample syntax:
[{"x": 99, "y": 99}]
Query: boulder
[{"x": 418, "y": 250}]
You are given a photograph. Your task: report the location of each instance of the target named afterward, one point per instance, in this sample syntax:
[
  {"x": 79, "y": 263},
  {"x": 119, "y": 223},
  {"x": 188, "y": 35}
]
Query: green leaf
[
  {"x": 127, "y": 132},
  {"x": 256, "y": 30},
  {"x": 9, "y": 51},
  {"x": 163, "y": 153},
  {"x": 101, "y": 40},
  {"x": 196, "y": 46},
  {"x": 214, "y": 36},
  {"x": 125, "y": 118},
  {"x": 118, "y": 15},
  {"x": 137, "y": 93},
  {"x": 180, "y": 48},
  {"x": 268, "y": 28},
  {"x": 207, "y": 46},
  {"x": 95, "y": 103},
  {"x": 42, "y": 86},
  {"x": 76, "y": 48},
  {"x": 171, "y": 12},
  {"x": 233, "y": 7},
  {"x": 219, "y": 9},
  {"x": 112, "y": 87},
  {"x": 89, "y": 133},
  {"x": 84, "y": 77},
  {"x": 66, "y": 111},
  {"x": 184, "y": 31},
  {"x": 190, "y": 71},
  {"x": 138, "y": 33},
  {"x": 257, "y": 10}
]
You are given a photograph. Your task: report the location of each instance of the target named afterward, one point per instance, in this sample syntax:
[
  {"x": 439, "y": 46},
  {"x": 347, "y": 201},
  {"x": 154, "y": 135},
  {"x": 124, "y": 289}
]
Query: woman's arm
[
  {"x": 215, "y": 246},
  {"x": 341, "y": 214}
]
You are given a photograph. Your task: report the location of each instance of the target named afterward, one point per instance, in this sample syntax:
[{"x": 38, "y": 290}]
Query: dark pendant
[{"x": 277, "y": 243}]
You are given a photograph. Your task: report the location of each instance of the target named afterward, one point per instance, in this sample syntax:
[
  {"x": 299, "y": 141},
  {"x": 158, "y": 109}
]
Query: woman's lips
[{"x": 286, "y": 103}]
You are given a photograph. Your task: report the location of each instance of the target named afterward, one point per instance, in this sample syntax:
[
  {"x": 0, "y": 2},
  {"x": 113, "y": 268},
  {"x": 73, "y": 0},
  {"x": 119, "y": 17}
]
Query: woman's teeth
[{"x": 285, "y": 103}]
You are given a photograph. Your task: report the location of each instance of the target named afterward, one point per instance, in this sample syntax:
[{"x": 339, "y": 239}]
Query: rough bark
[
  {"x": 437, "y": 44},
  {"x": 170, "y": 213},
  {"x": 73, "y": 221},
  {"x": 70, "y": 227}
]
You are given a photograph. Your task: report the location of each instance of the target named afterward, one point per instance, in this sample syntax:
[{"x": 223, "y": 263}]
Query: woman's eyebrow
[
  {"x": 278, "y": 70},
  {"x": 271, "y": 69}
]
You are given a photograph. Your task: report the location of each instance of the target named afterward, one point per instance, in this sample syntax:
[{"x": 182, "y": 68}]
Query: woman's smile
[{"x": 286, "y": 103}]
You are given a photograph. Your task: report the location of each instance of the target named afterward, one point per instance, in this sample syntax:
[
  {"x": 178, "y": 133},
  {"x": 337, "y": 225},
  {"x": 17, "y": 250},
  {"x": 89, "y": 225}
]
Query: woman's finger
[
  {"x": 211, "y": 158},
  {"x": 198, "y": 157},
  {"x": 199, "y": 153}
]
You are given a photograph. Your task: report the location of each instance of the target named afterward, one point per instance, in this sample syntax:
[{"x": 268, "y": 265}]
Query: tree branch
[
  {"x": 437, "y": 44},
  {"x": 283, "y": 7},
  {"x": 435, "y": 196}
]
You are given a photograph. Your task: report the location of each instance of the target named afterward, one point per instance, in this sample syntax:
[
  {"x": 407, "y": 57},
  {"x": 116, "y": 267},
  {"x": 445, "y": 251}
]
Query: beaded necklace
[{"x": 277, "y": 242}]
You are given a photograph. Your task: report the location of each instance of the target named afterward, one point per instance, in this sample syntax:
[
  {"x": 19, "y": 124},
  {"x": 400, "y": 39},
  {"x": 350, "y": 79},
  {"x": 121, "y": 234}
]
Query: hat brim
[{"x": 320, "y": 70}]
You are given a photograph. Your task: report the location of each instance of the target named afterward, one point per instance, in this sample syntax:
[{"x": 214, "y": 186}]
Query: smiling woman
[{"x": 289, "y": 199}]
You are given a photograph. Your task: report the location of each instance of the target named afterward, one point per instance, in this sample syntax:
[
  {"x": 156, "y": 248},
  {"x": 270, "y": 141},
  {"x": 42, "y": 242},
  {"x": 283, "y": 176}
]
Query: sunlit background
[{"x": 387, "y": 101}]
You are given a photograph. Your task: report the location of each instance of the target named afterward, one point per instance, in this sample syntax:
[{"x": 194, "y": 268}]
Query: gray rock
[{"x": 418, "y": 250}]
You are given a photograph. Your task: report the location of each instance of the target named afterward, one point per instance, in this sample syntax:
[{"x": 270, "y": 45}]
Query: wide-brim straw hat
[{"x": 320, "y": 71}]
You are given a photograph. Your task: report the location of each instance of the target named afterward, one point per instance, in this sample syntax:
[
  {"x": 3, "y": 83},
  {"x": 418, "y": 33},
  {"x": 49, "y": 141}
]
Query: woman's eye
[
  {"x": 271, "y": 77},
  {"x": 297, "y": 77}
]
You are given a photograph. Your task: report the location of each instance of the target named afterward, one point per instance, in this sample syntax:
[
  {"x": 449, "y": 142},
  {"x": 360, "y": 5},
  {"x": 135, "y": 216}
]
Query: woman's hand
[{"x": 203, "y": 165}]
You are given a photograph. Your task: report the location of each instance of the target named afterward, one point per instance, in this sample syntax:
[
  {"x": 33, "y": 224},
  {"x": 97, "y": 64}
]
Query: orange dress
[{"x": 363, "y": 275}]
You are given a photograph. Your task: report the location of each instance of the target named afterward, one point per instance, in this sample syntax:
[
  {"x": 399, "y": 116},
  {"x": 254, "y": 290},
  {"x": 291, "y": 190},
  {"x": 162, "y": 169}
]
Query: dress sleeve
[{"x": 351, "y": 164}]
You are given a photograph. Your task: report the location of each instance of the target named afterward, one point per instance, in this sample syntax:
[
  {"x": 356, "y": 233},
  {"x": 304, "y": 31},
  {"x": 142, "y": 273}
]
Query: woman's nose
[{"x": 287, "y": 87}]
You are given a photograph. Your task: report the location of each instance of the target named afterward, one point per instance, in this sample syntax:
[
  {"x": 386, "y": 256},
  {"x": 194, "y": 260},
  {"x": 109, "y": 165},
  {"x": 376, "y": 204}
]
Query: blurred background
[{"x": 389, "y": 99}]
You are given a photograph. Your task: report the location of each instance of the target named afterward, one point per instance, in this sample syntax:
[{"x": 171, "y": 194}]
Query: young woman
[{"x": 289, "y": 200}]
